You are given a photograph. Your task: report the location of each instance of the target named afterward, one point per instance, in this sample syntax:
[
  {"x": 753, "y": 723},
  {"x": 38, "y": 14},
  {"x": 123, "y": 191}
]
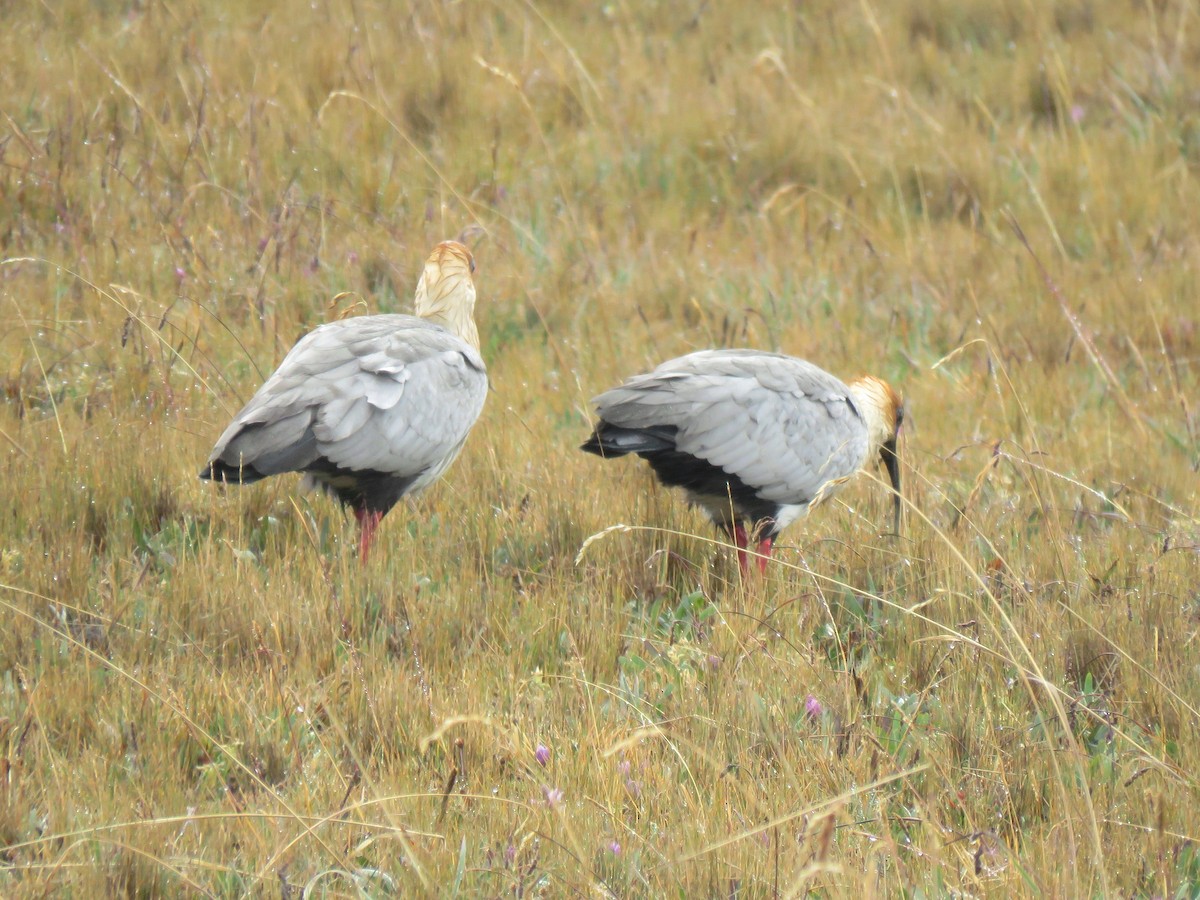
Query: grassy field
[{"x": 202, "y": 692}]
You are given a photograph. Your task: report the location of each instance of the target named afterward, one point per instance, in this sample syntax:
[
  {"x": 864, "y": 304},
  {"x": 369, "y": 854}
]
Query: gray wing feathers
[
  {"x": 780, "y": 424},
  {"x": 394, "y": 394},
  {"x": 283, "y": 445},
  {"x": 420, "y": 426}
]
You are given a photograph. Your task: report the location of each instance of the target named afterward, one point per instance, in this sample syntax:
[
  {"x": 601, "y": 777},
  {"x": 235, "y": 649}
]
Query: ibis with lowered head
[{"x": 754, "y": 438}]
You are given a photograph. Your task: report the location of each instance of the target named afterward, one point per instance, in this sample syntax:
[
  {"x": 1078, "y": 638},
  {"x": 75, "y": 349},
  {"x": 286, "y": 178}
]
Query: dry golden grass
[{"x": 201, "y": 691}]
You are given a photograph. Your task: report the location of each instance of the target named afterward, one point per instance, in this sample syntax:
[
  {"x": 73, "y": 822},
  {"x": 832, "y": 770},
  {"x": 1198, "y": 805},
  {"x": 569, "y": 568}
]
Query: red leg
[
  {"x": 368, "y": 521},
  {"x": 764, "y": 550},
  {"x": 741, "y": 541}
]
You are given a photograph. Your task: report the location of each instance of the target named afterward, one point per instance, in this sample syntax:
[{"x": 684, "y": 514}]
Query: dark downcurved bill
[{"x": 892, "y": 461}]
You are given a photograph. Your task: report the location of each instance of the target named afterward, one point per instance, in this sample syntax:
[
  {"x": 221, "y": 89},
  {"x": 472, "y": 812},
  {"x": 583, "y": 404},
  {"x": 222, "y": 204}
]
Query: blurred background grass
[{"x": 201, "y": 691}]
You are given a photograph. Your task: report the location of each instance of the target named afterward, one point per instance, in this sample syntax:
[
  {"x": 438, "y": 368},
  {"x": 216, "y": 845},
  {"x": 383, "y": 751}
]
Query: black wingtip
[
  {"x": 614, "y": 441},
  {"x": 219, "y": 470},
  {"x": 593, "y": 445},
  {"x": 605, "y": 449}
]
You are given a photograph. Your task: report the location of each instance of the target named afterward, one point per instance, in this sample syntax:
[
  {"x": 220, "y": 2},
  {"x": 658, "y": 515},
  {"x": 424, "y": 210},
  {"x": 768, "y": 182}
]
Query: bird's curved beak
[{"x": 892, "y": 461}]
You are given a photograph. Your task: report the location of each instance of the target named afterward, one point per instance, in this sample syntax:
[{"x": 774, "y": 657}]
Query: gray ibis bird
[
  {"x": 754, "y": 438},
  {"x": 371, "y": 408}
]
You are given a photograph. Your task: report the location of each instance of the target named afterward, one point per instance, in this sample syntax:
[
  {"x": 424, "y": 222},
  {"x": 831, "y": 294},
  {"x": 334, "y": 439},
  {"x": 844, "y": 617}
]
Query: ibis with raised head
[
  {"x": 371, "y": 408},
  {"x": 754, "y": 438}
]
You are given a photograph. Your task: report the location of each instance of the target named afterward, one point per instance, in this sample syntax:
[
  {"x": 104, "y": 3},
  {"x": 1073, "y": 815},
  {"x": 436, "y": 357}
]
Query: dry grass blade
[
  {"x": 1081, "y": 333},
  {"x": 809, "y": 810}
]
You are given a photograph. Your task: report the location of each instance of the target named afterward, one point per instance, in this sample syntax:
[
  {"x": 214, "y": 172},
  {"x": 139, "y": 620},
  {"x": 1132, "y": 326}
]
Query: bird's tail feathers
[
  {"x": 610, "y": 440},
  {"x": 219, "y": 470}
]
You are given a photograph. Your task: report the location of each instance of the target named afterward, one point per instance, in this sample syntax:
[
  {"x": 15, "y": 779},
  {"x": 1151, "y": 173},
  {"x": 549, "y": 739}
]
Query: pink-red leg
[
  {"x": 368, "y": 521},
  {"x": 764, "y": 553},
  {"x": 741, "y": 540}
]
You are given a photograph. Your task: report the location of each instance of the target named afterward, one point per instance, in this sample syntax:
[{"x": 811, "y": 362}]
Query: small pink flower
[
  {"x": 1077, "y": 113},
  {"x": 623, "y": 767},
  {"x": 180, "y": 274},
  {"x": 352, "y": 257},
  {"x": 614, "y": 848},
  {"x": 542, "y": 754},
  {"x": 553, "y": 796},
  {"x": 813, "y": 708}
]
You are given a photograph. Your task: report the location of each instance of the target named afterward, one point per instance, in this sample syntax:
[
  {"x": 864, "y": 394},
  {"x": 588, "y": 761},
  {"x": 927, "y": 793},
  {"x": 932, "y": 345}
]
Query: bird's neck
[
  {"x": 460, "y": 322},
  {"x": 873, "y": 403},
  {"x": 453, "y": 310}
]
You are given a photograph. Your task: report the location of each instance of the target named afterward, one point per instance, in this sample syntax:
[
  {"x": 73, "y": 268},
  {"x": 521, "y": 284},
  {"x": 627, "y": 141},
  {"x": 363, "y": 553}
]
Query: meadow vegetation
[{"x": 991, "y": 203}]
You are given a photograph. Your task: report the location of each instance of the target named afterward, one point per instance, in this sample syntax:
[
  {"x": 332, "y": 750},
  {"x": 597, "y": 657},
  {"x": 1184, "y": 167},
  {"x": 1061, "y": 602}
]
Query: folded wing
[
  {"x": 780, "y": 426},
  {"x": 382, "y": 401}
]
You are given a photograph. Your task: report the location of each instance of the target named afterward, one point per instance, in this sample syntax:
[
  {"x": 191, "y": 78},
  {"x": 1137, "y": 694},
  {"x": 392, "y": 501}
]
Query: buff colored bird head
[
  {"x": 446, "y": 292},
  {"x": 883, "y": 411}
]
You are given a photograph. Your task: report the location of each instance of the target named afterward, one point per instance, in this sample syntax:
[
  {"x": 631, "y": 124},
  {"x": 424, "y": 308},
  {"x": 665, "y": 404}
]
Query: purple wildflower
[
  {"x": 542, "y": 754},
  {"x": 813, "y": 708}
]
